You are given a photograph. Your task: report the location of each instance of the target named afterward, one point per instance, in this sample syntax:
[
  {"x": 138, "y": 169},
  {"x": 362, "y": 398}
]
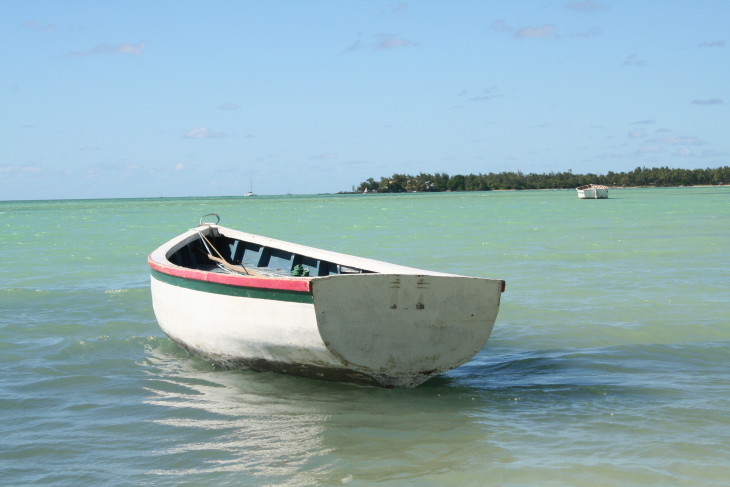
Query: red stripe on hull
[{"x": 301, "y": 285}]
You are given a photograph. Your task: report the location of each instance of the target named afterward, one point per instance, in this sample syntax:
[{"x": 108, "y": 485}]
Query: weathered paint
[{"x": 404, "y": 329}]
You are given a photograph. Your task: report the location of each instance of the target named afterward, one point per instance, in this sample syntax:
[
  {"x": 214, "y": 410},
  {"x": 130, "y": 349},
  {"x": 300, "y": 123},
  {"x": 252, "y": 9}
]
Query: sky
[{"x": 126, "y": 98}]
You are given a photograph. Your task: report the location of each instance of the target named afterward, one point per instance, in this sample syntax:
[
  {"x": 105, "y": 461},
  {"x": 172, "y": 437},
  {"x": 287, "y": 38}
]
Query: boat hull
[
  {"x": 393, "y": 329},
  {"x": 234, "y": 331}
]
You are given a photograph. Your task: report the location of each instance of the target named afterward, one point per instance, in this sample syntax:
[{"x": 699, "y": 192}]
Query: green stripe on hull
[{"x": 238, "y": 291}]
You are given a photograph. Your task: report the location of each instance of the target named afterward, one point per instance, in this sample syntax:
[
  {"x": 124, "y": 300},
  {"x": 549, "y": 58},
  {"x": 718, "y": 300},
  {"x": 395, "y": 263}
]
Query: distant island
[{"x": 641, "y": 176}]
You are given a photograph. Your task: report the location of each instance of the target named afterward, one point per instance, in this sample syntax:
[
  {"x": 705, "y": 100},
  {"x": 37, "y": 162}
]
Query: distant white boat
[
  {"x": 238, "y": 299},
  {"x": 592, "y": 192},
  {"x": 249, "y": 193}
]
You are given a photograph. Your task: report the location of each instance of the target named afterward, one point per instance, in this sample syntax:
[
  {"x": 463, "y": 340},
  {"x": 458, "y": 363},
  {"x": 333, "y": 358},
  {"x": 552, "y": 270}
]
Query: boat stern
[{"x": 403, "y": 329}]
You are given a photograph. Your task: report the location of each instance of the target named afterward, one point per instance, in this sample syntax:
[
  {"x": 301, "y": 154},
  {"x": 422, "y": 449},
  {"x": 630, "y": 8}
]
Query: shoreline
[
  {"x": 351, "y": 192},
  {"x": 537, "y": 189}
]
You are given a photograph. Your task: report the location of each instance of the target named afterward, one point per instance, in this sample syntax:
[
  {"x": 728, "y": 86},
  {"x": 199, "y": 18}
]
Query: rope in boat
[{"x": 220, "y": 260}]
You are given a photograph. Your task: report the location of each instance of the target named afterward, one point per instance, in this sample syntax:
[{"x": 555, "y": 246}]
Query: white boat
[
  {"x": 243, "y": 300},
  {"x": 249, "y": 193},
  {"x": 592, "y": 191}
]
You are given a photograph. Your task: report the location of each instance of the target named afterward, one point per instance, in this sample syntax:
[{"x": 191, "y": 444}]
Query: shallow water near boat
[{"x": 607, "y": 365}]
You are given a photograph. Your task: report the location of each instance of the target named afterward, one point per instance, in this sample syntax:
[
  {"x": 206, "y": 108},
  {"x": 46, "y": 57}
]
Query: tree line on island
[{"x": 641, "y": 176}]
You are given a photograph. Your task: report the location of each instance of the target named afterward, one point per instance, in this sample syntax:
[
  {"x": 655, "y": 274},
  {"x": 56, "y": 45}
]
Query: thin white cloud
[
  {"x": 14, "y": 170},
  {"x": 203, "y": 133},
  {"x": 712, "y": 44},
  {"x": 125, "y": 48},
  {"x": 709, "y": 102},
  {"x": 229, "y": 107},
  {"x": 355, "y": 46},
  {"x": 546, "y": 31},
  {"x": 500, "y": 26},
  {"x": 355, "y": 163},
  {"x": 587, "y": 6},
  {"x": 128, "y": 170},
  {"x": 323, "y": 157},
  {"x": 483, "y": 98},
  {"x": 685, "y": 152},
  {"x": 387, "y": 41},
  {"x": 592, "y": 32},
  {"x": 395, "y": 9},
  {"x": 381, "y": 42},
  {"x": 677, "y": 145},
  {"x": 180, "y": 167},
  {"x": 634, "y": 60},
  {"x": 637, "y": 134},
  {"x": 536, "y": 32},
  {"x": 487, "y": 94},
  {"x": 712, "y": 153},
  {"x": 649, "y": 149},
  {"x": 32, "y": 24},
  {"x": 679, "y": 140}
]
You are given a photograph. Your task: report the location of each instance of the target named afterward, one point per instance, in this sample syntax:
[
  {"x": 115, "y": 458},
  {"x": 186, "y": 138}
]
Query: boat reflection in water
[{"x": 282, "y": 430}]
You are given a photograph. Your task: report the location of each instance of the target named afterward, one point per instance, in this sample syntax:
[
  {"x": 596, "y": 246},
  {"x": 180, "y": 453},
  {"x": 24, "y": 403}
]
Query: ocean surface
[{"x": 609, "y": 364}]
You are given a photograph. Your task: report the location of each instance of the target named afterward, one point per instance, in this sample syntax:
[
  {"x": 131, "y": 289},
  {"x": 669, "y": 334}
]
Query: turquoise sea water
[{"x": 609, "y": 364}]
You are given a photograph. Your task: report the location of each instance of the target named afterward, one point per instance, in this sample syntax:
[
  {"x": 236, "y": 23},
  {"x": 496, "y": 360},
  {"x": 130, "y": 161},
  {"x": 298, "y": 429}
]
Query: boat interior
[{"x": 205, "y": 253}]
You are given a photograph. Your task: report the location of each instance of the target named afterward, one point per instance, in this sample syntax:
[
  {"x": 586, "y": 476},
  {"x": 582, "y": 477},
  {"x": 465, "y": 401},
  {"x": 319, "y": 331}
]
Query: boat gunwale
[
  {"x": 347, "y": 260},
  {"x": 159, "y": 261},
  {"x": 592, "y": 186},
  {"x": 301, "y": 284}
]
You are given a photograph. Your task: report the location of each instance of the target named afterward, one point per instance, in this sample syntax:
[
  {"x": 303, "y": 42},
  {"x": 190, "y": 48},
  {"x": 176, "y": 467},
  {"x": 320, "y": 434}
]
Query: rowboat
[
  {"x": 242, "y": 300},
  {"x": 592, "y": 191}
]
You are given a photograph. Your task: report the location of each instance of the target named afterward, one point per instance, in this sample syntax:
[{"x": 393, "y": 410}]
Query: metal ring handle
[{"x": 217, "y": 219}]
